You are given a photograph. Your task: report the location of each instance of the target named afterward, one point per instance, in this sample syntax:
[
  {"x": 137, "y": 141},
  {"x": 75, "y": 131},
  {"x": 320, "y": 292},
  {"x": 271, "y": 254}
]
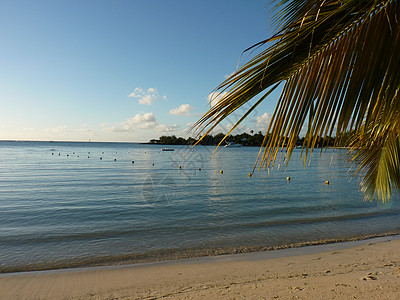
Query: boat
[
  {"x": 167, "y": 149},
  {"x": 232, "y": 144}
]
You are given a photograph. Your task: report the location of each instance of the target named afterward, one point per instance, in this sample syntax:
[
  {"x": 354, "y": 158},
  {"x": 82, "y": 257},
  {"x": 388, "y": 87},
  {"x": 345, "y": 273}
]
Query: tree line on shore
[{"x": 245, "y": 139}]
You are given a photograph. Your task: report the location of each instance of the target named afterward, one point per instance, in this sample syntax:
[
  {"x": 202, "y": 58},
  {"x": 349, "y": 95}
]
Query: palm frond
[
  {"x": 340, "y": 62},
  {"x": 381, "y": 168}
]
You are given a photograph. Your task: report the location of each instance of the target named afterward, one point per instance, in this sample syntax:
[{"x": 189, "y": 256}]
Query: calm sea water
[{"x": 71, "y": 204}]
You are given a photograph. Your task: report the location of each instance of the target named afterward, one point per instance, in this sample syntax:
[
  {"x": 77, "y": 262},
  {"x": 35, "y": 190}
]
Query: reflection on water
[{"x": 68, "y": 205}]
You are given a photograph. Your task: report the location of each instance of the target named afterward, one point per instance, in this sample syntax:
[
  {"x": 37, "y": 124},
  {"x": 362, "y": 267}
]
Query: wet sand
[{"x": 362, "y": 270}]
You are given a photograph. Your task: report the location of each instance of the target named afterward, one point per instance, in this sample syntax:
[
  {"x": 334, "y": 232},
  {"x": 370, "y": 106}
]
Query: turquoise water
[{"x": 75, "y": 204}]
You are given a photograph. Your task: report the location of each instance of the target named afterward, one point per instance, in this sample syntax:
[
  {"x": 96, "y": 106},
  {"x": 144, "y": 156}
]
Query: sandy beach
[{"x": 367, "y": 270}]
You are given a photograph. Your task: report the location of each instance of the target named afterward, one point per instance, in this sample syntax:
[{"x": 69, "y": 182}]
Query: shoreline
[
  {"x": 342, "y": 270},
  {"x": 172, "y": 256}
]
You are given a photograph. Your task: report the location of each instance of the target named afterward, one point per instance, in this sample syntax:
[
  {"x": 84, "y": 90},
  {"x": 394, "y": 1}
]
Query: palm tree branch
[{"x": 339, "y": 61}]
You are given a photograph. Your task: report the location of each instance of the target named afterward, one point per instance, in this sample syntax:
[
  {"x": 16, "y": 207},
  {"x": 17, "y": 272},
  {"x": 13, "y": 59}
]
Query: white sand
[{"x": 367, "y": 271}]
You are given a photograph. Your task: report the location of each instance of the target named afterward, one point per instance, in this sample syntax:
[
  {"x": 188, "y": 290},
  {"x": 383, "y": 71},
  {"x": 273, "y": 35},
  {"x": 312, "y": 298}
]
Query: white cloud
[
  {"x": 262, "y": 122},
  {"x": 85, "y": 130},
  {"x": 215, "y": 97},
  {"x": 58, "y": 129},
  {"x": 138, "y": 92},
  {"x": 144, "y": 121},
  {"x": 66, "y": 129},
  {"x": 146, "y": 97},
  {"x": 167, "y": 128},
  {"x": 239, "y": 129},
  {"x": 183, "y": 110}
]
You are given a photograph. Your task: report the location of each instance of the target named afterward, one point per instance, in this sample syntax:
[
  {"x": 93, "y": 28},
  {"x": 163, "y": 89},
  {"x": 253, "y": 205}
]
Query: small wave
[
  {"x": 173, "y": 254},
  {"x": 140, "y": 231}
]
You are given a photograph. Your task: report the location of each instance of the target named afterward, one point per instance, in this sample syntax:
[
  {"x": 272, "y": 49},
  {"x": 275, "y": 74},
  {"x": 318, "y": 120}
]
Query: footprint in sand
[
  {"x": 389, "y": 265},
  {"x": 370, "y": 276}
]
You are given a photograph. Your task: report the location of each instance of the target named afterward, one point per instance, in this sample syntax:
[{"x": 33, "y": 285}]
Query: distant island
[{"x": 245, "y": 139}]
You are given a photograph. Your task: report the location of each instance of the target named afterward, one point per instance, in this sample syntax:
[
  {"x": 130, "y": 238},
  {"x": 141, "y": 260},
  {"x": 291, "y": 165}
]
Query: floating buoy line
[{"x": 288, "y": 178}]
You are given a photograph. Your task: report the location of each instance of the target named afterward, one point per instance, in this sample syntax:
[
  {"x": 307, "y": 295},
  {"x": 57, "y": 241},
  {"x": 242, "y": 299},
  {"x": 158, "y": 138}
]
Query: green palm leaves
[{"x": 340, "y": 65}]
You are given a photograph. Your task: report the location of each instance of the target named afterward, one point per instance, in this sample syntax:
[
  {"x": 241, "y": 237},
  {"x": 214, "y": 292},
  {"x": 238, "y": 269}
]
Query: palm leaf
[
  {"x": 381, "y": 168},
  {"x": 339, "y": 62}
]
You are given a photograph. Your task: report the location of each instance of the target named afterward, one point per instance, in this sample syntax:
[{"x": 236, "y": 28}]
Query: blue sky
[{"x": 120, "y": 70}]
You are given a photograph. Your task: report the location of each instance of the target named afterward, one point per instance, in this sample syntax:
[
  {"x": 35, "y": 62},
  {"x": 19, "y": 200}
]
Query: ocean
[{"x": 71, "y": 204}]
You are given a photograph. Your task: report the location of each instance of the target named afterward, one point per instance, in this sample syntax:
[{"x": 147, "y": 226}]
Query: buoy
[
  {"x": 115, "y": 159},
  {"x": 153, "y": 164},
  {"x": 101, "y": 158},
  {"x": 326, "y": 182},
  {"x": 88, "y": 157},
  {"x": 133, "y": 162},
  {"x": 221, "y": 171},
  {"x": 288, "y": 178},
  {"x": 180, "y": 167},
  {"x": 67, "y": 154},
  {"x": 199, "y": 169},
  {"x": 249, "y": 174},
  {"x": 52, "y": 154}
]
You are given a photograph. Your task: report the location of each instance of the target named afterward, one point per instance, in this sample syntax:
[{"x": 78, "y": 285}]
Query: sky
[{"x": 121, "y": 71}]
